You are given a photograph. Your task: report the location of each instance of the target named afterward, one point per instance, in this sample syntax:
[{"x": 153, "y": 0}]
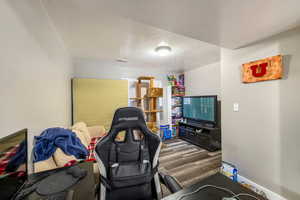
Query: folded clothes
[{"x": 53, "y": 138}]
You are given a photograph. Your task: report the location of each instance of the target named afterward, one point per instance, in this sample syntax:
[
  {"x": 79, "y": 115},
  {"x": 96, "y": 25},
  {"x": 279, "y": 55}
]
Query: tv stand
[{"x": 203, "y": 135}]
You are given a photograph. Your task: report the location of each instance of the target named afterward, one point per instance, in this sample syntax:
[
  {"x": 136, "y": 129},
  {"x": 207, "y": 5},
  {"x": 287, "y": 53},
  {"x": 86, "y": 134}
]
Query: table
[
  {"x": 83, "y": 190},
  {"x": 212, "y": 193}
]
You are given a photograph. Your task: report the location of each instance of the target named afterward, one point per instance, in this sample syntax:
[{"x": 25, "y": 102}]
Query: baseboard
[{"x": 270, "y": 194}]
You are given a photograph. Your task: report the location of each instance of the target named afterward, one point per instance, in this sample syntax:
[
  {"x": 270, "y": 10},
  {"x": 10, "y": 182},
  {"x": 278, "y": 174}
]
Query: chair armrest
[{"x": 170, "y": 182}]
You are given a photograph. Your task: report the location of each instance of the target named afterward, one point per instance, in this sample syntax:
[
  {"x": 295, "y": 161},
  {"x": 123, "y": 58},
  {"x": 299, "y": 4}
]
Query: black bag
[
  {"x": 130, "y": 174},
  {"x": 127, "y": 174}
]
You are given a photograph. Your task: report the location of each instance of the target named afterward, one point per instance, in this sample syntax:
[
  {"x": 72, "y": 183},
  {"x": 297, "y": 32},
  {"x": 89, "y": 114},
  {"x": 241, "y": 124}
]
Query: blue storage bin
[{"x": 165, "y": 132}]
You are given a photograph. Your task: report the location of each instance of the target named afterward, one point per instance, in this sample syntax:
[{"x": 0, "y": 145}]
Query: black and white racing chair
[{"x": 129, "y": 168}]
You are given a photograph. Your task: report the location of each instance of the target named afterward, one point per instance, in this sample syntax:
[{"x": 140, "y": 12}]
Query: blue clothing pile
[{"x": 53, "y": 138}]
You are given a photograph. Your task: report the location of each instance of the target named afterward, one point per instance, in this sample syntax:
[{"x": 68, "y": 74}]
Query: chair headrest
[{"x": 128, "y": 114}]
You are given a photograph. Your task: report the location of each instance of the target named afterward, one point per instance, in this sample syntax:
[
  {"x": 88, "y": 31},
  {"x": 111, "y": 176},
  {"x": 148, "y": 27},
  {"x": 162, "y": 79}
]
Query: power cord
[
  {"x": 206, "y": 186},
  {"x": 245, "y": 194},
  {"x": 234, "y": 197}
]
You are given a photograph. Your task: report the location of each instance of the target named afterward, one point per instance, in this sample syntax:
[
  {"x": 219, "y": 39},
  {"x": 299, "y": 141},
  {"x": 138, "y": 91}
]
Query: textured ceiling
[
  {"x": 107, "y": 30},
  {"x": 227, "y": 23},
  {"x": 90, "y": 31}
]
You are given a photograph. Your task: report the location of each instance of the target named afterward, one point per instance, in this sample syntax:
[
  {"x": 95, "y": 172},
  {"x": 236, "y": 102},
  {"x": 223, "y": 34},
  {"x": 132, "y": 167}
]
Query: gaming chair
[{"x": 128, "y": 167}]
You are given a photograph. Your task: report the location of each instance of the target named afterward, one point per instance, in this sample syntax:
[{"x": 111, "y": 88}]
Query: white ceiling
[
  {"x": 90, "y": 31},
  {"x": 227, "y": 23},
  {"x": 108, "y": 29}
]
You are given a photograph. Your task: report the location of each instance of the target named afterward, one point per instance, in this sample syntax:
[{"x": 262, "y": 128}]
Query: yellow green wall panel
[{"x": 95, "y": 100}]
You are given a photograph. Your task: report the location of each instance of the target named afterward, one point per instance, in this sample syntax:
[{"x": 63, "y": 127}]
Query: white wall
[
  {"x": 35, "y": 70},
  {"x": 114, "y": 70},
  {"x": 263, "y": 138},
  {"x": 205, "y": 80}
]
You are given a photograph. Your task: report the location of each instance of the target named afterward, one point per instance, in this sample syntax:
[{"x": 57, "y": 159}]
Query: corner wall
[
  {"x": 263, "y": 138},
  {"x": 205, "y": 80},
  {"x": 35, "y": 70}
]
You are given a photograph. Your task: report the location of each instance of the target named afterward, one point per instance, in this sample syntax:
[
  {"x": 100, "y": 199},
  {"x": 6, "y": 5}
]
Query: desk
[
  {"x": 83, "y": 190},
  {"x": 211, "y": 193}
]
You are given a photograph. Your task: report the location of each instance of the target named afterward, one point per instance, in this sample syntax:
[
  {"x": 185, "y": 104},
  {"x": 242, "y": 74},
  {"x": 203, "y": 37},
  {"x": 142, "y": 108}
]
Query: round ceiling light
[{"x": 163, "y": 49}]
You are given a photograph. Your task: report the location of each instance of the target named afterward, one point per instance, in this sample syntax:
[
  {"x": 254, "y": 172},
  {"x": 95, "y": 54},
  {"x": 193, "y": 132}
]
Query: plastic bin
[{"x": 165, "y": 132}]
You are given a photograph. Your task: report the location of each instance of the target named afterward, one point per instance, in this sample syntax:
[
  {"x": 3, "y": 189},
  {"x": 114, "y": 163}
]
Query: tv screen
[
  {"x": 201, "y": 108},
  {"x": 13, "y": 163}
]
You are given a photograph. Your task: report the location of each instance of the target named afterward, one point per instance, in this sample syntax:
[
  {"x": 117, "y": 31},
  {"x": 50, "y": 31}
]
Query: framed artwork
[{"x": 270, "y": 68}]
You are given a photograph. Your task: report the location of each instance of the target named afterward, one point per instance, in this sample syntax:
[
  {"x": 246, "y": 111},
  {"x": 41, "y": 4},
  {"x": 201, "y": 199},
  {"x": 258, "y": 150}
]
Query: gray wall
[
  {"x": 205, "y": 80},
  {"x": 263, "y": 138},
  {"x": 35, "y": 70}
]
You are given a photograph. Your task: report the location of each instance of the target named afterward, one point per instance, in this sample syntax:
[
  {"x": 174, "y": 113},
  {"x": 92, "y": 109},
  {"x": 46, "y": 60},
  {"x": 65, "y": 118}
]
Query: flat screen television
[
  {"x": 200, "y": 108},
  {"x": 13, "y": 163}
]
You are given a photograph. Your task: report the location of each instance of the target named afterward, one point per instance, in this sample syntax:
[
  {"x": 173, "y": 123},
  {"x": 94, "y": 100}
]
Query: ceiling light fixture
[
  {"x": 122, "y": 60},
  {"x": 163, "y": 49}
]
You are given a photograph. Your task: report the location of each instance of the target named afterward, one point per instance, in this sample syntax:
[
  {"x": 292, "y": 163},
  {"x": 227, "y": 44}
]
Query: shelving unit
[
  {"x": 146, "y": 99},
  {"x": 177, "y": 91}
]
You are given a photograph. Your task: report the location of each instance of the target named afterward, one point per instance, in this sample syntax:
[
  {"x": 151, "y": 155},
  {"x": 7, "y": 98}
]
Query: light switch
[{"x": 235, "y": 107}]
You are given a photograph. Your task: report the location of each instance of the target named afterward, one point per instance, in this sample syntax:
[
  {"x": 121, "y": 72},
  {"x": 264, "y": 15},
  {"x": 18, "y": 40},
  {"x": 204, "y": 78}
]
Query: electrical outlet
[{"x": 235, "y": 107}]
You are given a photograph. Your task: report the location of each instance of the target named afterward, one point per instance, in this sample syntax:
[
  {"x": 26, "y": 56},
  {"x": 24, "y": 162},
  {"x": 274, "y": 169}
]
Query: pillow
[
  {"x": 97, "y": 131},
  {"x": 82, "y": 132},
  {"x": 44, "y": 165},
  {"x": 82, "y": 138},
  {"x": 61, "y": 158}
]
